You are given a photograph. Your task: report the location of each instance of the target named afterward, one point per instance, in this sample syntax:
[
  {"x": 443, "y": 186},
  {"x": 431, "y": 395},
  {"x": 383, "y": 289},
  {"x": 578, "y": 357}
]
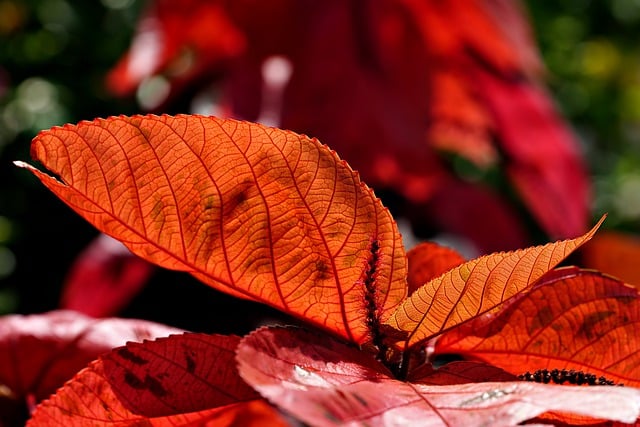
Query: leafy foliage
[
  {"x": 38, "y": 353},
  {"x": 261, "y": 213},
  {"x": 396, "y": 87}
]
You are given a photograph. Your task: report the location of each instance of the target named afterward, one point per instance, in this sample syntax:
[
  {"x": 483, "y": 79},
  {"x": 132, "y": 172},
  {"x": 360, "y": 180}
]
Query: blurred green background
[{"x": 54, "y": 55}]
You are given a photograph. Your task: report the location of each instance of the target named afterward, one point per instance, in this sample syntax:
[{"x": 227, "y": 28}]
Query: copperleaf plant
[
  {"x": 278, "y": 218},
  {"x": 399, "y": 88},
  {"x": 396, "y": 87}
]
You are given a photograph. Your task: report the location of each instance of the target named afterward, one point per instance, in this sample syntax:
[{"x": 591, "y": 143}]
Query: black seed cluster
[{"x": 562, "y": 376}]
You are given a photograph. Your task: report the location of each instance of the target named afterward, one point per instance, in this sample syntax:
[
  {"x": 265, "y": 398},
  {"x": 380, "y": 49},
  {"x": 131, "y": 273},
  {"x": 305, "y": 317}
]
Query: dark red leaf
[
  {"x": 182, "y": 380},
  {"x": 465, "y": 209},
  {"x": 104, "y": 278},
  {"x": 545, "y": 163},
  {"x": 182, "y": 373}
]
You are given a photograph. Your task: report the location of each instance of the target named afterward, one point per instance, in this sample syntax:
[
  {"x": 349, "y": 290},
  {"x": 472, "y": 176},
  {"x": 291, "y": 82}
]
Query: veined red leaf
[
  {"x": 429, "y": 260},
  {"x": 477, "y": 287},
  {"x": 38, "y": 353},
  {"x": 182, "y": 380},
  {"x": 327, "y": 383},
  {"x": 574, "y": 319},
  {"x": 256, "y": 212},
  {"x": 104, "y": 278}
]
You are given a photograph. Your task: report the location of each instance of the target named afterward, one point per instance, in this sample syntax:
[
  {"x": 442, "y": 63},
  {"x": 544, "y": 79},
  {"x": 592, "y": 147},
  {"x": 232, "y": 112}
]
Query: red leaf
[
  {"x": 104, "y": 278},
  {"x": 326, "y": 383},
  {"x": 186, "y": 39},
  {"x": 182, "y": 380},
  {"x": 549, "y": 173},
  {"x": 465, "y": 209},
  {"x": 256, "y": 212},
  {"x": 184, "y": 373},
  {"x": 460, "y": 372},
  {"x": 477, "y": 287},
  {"x": 614, "y": 253},
  {"x": 429, "y": 260},
  {"x": 38, "y": 353},
  {"x": 574, "y": 319}
]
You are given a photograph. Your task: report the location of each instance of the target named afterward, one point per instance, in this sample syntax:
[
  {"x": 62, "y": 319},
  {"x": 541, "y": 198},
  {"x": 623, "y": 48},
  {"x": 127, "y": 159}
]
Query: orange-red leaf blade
[
  {"x": 575, "y": 319},
  {"x": 182, "y": 380},
  {"x": 326, "y": 383},
  {"x": 253, "y": 211},
  {"x": 429, "y": 260},
  {"x": 477, "y": 287}
]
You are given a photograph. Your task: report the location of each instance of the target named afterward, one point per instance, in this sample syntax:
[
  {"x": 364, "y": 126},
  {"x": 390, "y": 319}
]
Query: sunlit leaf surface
[{"x": 253, "y": 211}]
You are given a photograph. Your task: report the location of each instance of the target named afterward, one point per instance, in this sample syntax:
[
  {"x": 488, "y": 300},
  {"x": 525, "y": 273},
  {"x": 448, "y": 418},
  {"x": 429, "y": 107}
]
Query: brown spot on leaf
[
  {"x": 236, "y": 198},
  {"x": 191, "y": 363},
  {"x": 127, "y": 354},
  {"x": 323, "y": 272},
  {"x": 543, "y": 317},
  {"x": 589, "y": 327},
  {"x": 150, "y": 383}
]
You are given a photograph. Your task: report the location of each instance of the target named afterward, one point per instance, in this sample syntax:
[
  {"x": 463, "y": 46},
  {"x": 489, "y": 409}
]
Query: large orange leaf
[
  {"x": 327, "y": 383},
  {"x": 392, "y": 84},
  {"x": 574, "y": 319},
  {"x": 182, "y": 380},
  {"x": 253, "y": 211},
  {"x": 476, "y": 287}
]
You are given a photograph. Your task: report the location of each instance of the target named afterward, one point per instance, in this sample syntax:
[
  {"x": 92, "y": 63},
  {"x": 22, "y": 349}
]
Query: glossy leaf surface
[
  {"x": 326, "y": 383},
  {"x": 38, "y": 353},
  {"x": 253, "y": 211},
  {"x": 477, "y": 287},
  {"x": 574, "y": 319},
  {"x": 182, "y": 380}
]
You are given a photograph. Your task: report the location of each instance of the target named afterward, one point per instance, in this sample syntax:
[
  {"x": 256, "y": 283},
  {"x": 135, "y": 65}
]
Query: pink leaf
[
  {"x": 326, "y": 383},
  {"x": 38, "y": 353}
]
